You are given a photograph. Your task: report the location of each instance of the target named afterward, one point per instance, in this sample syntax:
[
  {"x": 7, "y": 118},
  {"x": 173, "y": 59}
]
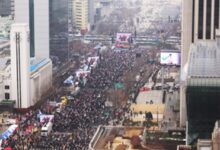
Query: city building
[
  {"x": 5, "y": 27},
  {"x": 91, "y": 14},
  {"x": 31, "y": 67},
  {"x": 5, "y": 78},
  {"x": 202, "y": 85},
  {"x": 70, "y": 10},
  {"x": 204, "y": 144},
  {"x": 36, "y": 15},
  {"x": 114, "y": 137},
  {"x": 216, "y": 136},
  {"x": 30, "y": 77},
  {"x": 127, "y": 138},
  {"x": 20, "y": 60},
  {"x": 80, "y": 11},
  {"x": 6, "y": 8},
  {"x": 200, "y": 19},
  {"x": 105, "y": 2},
  {"x": 214, "y": 142},
  {"x": 59, "y": 27}
]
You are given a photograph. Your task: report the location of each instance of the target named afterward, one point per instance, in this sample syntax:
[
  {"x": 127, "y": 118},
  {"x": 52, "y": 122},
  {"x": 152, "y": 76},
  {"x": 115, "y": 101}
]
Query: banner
[
  {"x": 80, "y": 73},
  {"x": 92, "y": 59},
  {"x": 44, "y": 117},
  {"x": 123, "y": 38}
]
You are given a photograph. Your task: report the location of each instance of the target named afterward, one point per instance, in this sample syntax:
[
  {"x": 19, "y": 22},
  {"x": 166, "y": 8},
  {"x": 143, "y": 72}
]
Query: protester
[{"x": 75, "y": 125}]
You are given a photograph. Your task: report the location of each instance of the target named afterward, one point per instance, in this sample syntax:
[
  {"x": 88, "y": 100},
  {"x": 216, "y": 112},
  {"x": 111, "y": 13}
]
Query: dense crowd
[{"x": 75, "y": 125}]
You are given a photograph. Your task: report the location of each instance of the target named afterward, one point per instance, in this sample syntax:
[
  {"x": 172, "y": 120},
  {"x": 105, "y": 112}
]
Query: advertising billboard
[{"x": 170, "y": 58}]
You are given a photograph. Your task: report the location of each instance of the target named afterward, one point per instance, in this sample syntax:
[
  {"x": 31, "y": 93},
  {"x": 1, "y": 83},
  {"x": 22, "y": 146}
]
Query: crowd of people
[{"x": 76, "y": 124}]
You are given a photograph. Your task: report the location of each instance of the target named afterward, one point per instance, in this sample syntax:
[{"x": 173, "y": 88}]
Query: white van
[{"x": 46, "y": 129}]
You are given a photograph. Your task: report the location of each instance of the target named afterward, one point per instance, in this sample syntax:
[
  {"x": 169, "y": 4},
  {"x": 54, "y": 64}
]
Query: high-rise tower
[
  {"x": 35, "y": 13},
  {"x": 31, "y": 74},
  {"x": 200, "y": 19},
  {"x": 80, "y": 11}
]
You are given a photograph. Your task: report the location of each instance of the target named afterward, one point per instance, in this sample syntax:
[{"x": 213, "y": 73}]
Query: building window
[
  {"x": 208, "y": 19},
  {"x": 193, "y": 22},
  {"x": 217, "y": 13},
  {"x": 7, "y": 87},
  {"x": 200, "y": 19},
  {"x": 7, "y": 96}
]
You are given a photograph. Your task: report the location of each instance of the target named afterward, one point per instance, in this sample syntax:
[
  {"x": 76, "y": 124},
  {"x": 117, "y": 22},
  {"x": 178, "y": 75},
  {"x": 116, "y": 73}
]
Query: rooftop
[{"x": 107, "y": 137}]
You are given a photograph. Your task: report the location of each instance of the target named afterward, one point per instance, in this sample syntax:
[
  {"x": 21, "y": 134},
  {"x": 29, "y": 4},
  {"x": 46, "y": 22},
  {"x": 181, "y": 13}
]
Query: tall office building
[
  {"x": 200, "y": 19},
  {"x": 31, "y": 74},
  {"x": 36, "y": 14},
  {"x": 80, "y": 11},
  {"x": 91, "y": 11},
  {"x": 200, "y": 74},
  {"x": 59, "y": 16}
]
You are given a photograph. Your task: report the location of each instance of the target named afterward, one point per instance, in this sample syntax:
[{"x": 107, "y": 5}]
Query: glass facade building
[{"x": 59, "y": 28}]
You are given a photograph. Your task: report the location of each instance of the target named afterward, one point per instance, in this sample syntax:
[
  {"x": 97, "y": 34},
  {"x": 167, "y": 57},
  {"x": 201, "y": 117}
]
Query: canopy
[{"x": 8, "y": 132}]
